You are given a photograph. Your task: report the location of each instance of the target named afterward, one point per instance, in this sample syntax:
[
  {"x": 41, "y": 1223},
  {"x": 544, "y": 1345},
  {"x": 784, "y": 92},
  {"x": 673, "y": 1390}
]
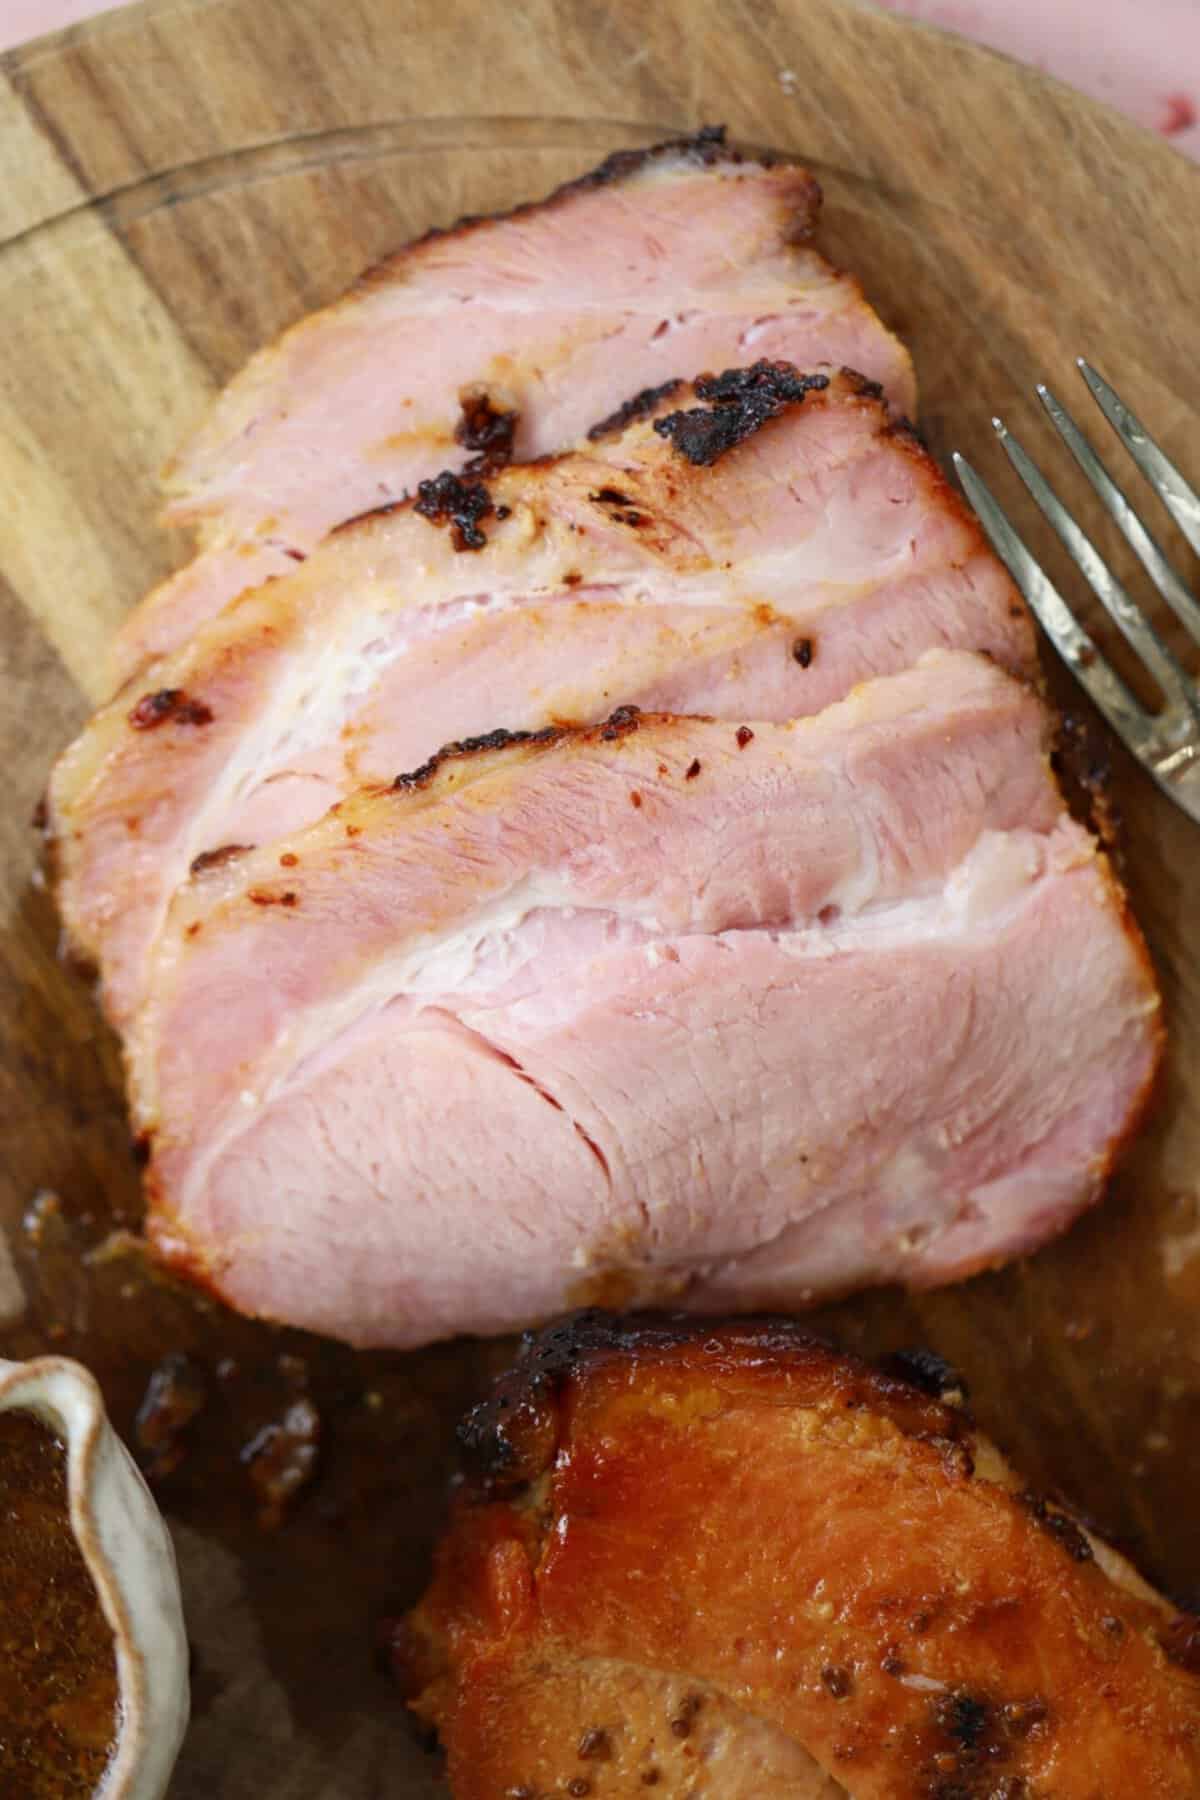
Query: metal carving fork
[{"x": 1166, "y": 743}]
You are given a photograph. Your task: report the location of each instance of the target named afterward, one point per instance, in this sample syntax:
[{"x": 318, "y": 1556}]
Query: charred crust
[
  {"x": 156, "y": 708},
  {"x": 968, "y": 1738},
  {"x": 706, "y": 148},
  {"x": 902, "y": 427},
  {"x": 509, "y": 1438},
  {"x": 743, "y": 400},
  {"x": 512, "y": 1436},
  {"x": 639, "y": 406},
  {"x": 926, "y": 1370},
  {"x": 486, "y": 431},
  {"x": 621, "y": 723},
  {"x": 472, "y": 746},
  {"x": 143, "y": 1148},
  {"x": 40, "y": 818},
  {"x": 447, "y": 499},
  {"x": 213, "y": 859},
  {"x": 861, "y": 385},
  {"x": 964, "y": 1718},
  {"x": 1059, "y": 1526}
]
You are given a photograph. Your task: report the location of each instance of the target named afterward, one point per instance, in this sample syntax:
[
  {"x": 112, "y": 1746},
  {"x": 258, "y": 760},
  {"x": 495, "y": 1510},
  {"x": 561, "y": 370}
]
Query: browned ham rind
[{"x": 726, "y": 1559}]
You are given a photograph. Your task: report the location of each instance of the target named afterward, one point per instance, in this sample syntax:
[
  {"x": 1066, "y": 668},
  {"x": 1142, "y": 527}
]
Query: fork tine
[
  {"x": 1173, "y": 591},
  {"x": 1126, "y": 716},
  {"x": 1135, "y": 627},
  {"x": 1178, "y": 496}
]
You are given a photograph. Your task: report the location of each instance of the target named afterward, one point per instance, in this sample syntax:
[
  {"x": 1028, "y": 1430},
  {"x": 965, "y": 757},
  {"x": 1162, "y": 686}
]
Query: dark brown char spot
[
  {"x": 213, "y": 859},
  {"x": 595, "y": 1745},
  {"x": 803, "y": 651},
  {"x": 156, "y": 708},
  {"x": 640, "y": 406},
  {"x": 484, "y": 429},
  {"x": 446, "y": 499},
  {"x": 619, "y": 724},
  {"x": 473, "y": 746},
  {"x": 509, "y": 1436},
  {"x": 926, "y": 1370},
  {"x": 1058, "y": 1526},
  {"x": 743, "y": 400}
]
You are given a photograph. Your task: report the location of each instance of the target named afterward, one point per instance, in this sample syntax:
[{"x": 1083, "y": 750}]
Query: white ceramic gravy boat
[{"x": 129, "y": 1556}]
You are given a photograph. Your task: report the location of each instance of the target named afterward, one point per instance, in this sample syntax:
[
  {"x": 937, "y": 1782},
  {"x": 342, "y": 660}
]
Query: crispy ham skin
[
  {"x": 727, "y": 1560},
  {"x": 662, "y": 262},
  {"x": 822, "y": 549},
  {"x": 709, "y": 1010}
]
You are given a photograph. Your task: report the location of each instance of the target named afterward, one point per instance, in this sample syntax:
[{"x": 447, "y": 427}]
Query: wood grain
[{"x": 177, "y": 182}]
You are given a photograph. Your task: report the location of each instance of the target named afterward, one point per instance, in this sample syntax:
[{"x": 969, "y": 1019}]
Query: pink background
[{"x": 1142, "y": 56}]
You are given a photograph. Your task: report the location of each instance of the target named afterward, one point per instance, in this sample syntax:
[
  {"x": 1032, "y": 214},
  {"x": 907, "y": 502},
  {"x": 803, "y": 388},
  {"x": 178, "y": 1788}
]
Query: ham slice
[
  {"x": 822, "y": 549},
  {"x": 693, "y": 1007},
  {"x": 734, "y": 1556},
  {"x": 661, "y": 262}
]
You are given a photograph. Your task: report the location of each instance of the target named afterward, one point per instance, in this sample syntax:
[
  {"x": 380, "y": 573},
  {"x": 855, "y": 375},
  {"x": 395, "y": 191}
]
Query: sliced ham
[
  {"x": 673, "y": 1002},
  {"x": 820, "y": 550},
  {"x": 659, "y": 263},
  {"x": 733, "y": 1561}
]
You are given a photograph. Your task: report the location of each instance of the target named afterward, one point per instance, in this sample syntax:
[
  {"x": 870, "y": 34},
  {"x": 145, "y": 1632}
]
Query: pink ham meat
[
  {"x": 822, "y": 549},
  {"x": 659, "y": 263},
  {"x": 704, "y": 1010}
]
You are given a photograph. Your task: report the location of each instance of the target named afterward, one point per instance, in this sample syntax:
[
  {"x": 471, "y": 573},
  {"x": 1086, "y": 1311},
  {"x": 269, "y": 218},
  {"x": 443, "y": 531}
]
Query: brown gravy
[{"x": 58, "y": 1674}]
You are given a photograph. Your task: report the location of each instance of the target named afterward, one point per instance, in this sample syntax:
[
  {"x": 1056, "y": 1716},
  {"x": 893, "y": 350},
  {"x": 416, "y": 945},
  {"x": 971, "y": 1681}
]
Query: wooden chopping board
[{"x": 177, "y": 182}]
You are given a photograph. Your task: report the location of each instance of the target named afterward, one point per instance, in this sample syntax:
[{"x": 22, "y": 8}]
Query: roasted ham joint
[
  {"x": 585, "y": 821},
  {"x": 722, "y": 1559}
]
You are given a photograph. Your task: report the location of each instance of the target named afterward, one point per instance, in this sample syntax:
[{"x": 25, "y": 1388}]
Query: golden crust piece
[{"x": 724, "y": 1560}]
